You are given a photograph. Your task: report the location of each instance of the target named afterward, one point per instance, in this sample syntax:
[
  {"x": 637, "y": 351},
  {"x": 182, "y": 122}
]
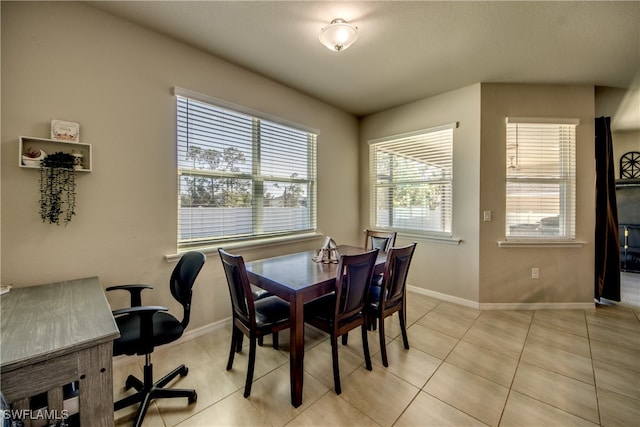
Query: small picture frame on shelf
[{"x": 65, "y": 131}]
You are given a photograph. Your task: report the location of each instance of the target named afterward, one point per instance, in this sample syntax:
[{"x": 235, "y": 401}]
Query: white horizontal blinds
[
  {"x": 412, "y": 181},
  {"x": 241, "y": 176},
  {"x": 541, "y": 178},
  {"x": 287, "y": 170}
]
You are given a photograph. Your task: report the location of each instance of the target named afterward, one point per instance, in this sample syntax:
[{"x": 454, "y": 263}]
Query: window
[
  {"x": 241, "y": 176},
  {"x": 541, "y": 179},
  {"x": 412, "y": 181}
]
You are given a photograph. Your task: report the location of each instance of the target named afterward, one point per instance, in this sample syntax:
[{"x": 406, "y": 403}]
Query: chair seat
[
  {"x": 271, "y": 311},
  {"x": 323, "y": 310},
  {"x": 377, "y": 280},
  {"x": 166, "y": 329},
  {"x": 259, "y": 293},
  {"x": 374, "y": 298}
]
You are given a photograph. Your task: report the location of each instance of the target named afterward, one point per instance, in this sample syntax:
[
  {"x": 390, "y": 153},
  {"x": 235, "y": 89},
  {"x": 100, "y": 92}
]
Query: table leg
[{"x": 296, "y": 362}]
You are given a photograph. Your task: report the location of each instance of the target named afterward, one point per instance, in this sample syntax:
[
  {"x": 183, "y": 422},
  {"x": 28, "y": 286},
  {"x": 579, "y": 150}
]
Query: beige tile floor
[{"x": 465, "y": 367}]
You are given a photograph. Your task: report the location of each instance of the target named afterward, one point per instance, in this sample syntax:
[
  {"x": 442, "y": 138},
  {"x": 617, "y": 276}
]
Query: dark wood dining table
[{"x": 298, "y": 279}]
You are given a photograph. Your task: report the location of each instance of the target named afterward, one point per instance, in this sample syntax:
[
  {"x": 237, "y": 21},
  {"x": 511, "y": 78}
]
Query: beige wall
[
  {"x": 441, "y": 268},
  {"x": 566, "y": 274},
  {"x": 623, "y": 106},
  {"x": 69, "y": 61},
  {"x": 477, "y": 271}
]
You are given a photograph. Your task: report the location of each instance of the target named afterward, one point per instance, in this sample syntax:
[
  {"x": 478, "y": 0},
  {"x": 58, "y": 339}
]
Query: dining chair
[
  {"x": 343, "y": 310},
  {"x": 389, "y": 298},
  {"x": 251, "y": 317},
  {"x": 381, "y": 240},
  {"x": 142, "y": 328}
]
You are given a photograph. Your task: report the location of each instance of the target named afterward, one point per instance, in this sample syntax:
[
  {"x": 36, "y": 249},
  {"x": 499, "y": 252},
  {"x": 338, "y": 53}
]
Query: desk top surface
[{"x": 40, "y": 322}]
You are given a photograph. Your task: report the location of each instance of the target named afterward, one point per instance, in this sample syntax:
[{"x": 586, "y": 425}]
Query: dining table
[{"x": 298, "y": 279}]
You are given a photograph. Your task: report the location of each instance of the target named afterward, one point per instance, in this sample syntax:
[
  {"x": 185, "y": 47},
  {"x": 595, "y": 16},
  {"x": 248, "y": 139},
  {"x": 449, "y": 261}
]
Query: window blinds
[
  {"x": 241, "y": 176},
  {"x": 411, "y": 178},
  {"x": 541, "y": 178}
]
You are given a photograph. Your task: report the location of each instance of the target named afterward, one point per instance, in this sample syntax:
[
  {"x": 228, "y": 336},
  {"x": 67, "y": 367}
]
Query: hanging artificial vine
[{"x": 57, "y": 188}]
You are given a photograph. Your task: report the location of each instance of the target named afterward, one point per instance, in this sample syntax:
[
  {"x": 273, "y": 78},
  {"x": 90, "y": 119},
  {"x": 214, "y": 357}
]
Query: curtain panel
[{"x": 607, "y": 249}]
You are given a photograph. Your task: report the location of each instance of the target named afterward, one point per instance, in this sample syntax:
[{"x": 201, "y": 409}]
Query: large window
[
  {"x": 241, "y": 176},
  {"x": 541, "y": 179},
  {"x": 412, "y": 181}
]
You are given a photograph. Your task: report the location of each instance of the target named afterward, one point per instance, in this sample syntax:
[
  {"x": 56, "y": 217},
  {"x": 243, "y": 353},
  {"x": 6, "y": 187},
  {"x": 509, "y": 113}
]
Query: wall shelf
[{"x": 51, "y": 146}]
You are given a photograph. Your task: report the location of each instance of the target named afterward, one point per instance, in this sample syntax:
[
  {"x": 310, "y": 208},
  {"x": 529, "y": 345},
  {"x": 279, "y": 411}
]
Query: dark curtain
[{"x": 607, "y": 249}]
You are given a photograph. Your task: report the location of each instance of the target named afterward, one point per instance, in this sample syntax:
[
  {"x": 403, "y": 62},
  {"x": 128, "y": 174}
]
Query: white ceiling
[{"x": 406, "y": 50}]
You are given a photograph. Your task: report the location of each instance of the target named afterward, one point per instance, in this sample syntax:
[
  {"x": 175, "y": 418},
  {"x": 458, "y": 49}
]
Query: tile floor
[{"x": 465, "y": 367}]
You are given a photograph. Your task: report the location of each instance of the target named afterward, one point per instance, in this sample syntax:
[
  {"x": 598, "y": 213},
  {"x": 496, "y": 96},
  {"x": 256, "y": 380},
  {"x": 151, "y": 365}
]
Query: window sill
[
  {"x": 432, "y": 239},
  {"x": 248, "y": 244},
  {"x": 541, "y": 244}
]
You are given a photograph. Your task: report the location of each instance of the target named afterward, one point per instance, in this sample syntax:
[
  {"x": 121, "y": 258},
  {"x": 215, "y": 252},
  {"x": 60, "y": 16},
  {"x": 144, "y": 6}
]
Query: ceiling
[{"x": 406, "y": 50}]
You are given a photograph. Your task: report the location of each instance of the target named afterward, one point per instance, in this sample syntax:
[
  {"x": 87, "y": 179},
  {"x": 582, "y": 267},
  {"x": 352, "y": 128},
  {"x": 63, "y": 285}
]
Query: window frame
[
  {"x": 257, "y": 178},
  {"x": 566, "y": 183},
  {"x": 445, "y": 234}
]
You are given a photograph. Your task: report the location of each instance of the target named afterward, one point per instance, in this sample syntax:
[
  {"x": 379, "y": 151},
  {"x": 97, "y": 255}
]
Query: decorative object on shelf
[
  {"x": 630, "y": 165},
  {"x": 65, "y": 131},
  {"x": 57, "y": 188},
  {"x": 77, "y": 159},
  {"x": 32, "y": 157}
]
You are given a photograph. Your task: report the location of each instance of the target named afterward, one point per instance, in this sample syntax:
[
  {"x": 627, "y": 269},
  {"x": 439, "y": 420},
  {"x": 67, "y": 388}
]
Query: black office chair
[
  {"x": 142, "y": 328},
  {"x": 344, "y": 309},
  {"x": 251, "y": 317}
]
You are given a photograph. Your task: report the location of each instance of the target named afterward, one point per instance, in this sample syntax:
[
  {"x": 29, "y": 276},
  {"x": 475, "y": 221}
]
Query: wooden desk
[
  {"x": 53, "y": 335},
  {"x": 297, "y": 279}
]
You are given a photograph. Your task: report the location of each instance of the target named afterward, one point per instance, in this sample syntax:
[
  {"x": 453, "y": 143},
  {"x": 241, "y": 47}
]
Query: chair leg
[
  {"x": 345, "y": 338},
  {"x": 365, "y": 347},
  {"x": 232, "y": 351},
  {"x": 403, "y": 328},
  {"x": 252, "y": 360},
  {"x": 133, "y": 382},
  {"x": 383, "y": 344},
  {"x": 275, "y": 340},
  {"x": 239, "y": 341},
  {"x": 142, "y": 410},
  {"x": 336, "y": 366},
  {"x": 260, "y": 341},
  {"x": 181, "y": 370}
]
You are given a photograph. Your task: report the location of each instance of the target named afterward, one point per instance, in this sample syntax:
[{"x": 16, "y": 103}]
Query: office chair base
[{"x": 148, "y": 391}]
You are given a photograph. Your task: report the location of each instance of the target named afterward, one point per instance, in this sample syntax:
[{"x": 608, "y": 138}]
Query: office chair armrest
[{"x": 134, "y": 290}]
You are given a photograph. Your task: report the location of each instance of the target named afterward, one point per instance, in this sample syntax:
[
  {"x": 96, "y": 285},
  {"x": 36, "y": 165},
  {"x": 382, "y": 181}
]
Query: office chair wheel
[
  {"x": 193, "y": 397},
  {"x": 184, "y": 371}
]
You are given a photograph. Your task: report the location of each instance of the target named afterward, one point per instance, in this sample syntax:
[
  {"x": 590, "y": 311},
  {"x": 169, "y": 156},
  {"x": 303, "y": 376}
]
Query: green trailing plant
[{"x": 57, "y": 188}]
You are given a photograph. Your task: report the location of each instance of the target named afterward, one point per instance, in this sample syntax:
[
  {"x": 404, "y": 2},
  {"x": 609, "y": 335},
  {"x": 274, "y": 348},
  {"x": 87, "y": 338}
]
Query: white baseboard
[{"x": 504, "y": 306}]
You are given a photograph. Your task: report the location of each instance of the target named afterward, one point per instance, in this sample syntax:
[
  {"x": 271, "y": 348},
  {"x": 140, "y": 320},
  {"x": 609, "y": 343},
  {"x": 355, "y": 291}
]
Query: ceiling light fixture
[{"x": 338, "y": 35}]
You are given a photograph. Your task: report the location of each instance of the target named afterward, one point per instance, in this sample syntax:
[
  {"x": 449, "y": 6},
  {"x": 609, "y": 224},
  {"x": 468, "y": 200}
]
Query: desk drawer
[{"x": 38, "y": 378}]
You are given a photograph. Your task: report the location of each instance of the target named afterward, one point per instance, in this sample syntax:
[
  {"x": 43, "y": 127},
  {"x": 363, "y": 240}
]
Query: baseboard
[
  {"x": 443, "y": 297},
  {"x": 538, "y": 306},
  {"x": 504, "y": 306}
]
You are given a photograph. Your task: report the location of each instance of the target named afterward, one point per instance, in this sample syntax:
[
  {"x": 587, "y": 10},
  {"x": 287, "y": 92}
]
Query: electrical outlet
[
  {"x": 487, "y": 216},
  {"x": 535, "y": 273}
]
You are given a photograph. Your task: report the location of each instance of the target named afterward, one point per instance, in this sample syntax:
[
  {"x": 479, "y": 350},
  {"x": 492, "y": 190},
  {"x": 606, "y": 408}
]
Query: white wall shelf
[{"x": 51, "y": 146}]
